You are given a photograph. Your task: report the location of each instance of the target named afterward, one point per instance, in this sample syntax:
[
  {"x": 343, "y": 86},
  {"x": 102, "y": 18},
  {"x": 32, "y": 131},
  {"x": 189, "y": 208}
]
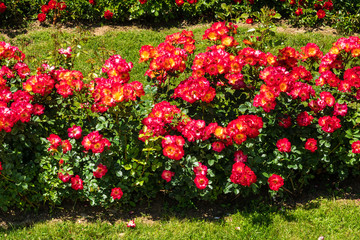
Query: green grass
[{"x": 333, "y": 219}]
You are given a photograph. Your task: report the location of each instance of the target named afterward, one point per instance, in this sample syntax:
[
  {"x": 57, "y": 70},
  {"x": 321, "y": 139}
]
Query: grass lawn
[{"x": 333, "y": 219}]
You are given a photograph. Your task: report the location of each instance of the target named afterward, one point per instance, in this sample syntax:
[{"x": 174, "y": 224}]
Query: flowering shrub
[
  {"x": 341, "y": 14},
  {"x": 232, "y": 119}
]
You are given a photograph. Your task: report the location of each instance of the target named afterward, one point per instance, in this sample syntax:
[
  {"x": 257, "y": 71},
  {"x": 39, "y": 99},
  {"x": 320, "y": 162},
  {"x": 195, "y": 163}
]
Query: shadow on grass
[{"x": 259, "y": 210}]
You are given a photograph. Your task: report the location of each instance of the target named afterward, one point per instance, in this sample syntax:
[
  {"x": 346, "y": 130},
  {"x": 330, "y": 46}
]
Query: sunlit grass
[{"x": 333, "y": 219}]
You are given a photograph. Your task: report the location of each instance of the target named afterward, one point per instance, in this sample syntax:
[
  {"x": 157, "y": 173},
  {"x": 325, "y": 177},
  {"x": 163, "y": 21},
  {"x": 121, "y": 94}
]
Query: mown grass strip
[{"x": 333, "y": 219}]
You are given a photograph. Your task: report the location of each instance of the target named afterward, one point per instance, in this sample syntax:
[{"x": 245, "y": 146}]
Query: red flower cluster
[
  {"x": 52, "y": 5},
  {"x": 243, "y": 127},
  {"x": 108, "y": 14},
  {"x": 21, "y": 69},
  {"x": 311, "y": 51},
  {"x": 194, "y": 89},
  {"x": 167, "y": 175},
  {"x": 242, "y": 174},
  {"x": 329, "y": 124},
  {"x": 329, "y": 78},
  {"x": 10, "y": 52},
  {"x": 222, "y": 31},
  {"x": 351, "y": 79},
  {"x": 161, "y": 115},
  {"x": 1, "y": 168},
  {"x": 168, "y": 57},
  {"x": 277, "y": 80},
  {"x": 116, "y": 193},
  {"x": 255, "y": 58},
  {"x": 56, "y": 141},
  {"x": 212, "y": 63},
  {"x": 117, "y": 69},
  {"x": 95, "y": 142},
  {"x": 68, "y": 81},
  {"x": 42, "y": 84},
  {"x": 173, "y": 147},
  {"x": 311, "y": 145},
  {"x": 288, "y": 57},
  {"x": 107, "y": 93},
  {"x": 333, "y": 59},
  {"x": 275, "y": 182},
  {"x": 100, "y": 171},
  {"x": 184, "y": 39},
  {"x": 2, "y": 7},
  {"x": 201, "y": 181},
  {"x": 283, "y": 145},
  {"x": 16, "y": 107},
  {"x": 64, "y": 177}
]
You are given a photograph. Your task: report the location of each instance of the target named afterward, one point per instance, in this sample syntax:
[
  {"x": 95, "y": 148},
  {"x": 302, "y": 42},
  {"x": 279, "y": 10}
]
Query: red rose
[
  {"x": 318, "y": 6},
  {"x": 45, "y": 9},
  {"x": 321, "y": 14},
  {"x": 1, "y": 168},
  {"x": 2, "y": 7},
  {"x": 92, "y": 2},
  {"x": 116, "y": 193},
  {"x": 329, "y": 6},
  {"x": 200, "y": 170},
  {"x": 283, "y": 145},
  {"x": 311, "y": 144},
  {"x": 100, "y": 171},
  {"x": 108, "y": 15},
  {"x": 77, "y": 183},
  {"x": 201, "y": 181},
  {"x": 167, "y": 175},
  {"x": 299, "y": 12},
  {"x": 355, "y": 147},
  {"x": 62, "y": 6},
  {"x": 249, "y": 21},
  {"x": 285, "y": 122},
  {"x": 52, "y": 4},
  {"x": 75, "y": 132},
  {"x": 179, "y": 3},
  {"x": 41, "y": 17},
  {"x": 304, "y": 119},
  {"x": 242, "y": 174},
  {"x": 142, "y": 1},
  {"x": 275, "y": 182},
  {"x": 218, "y": 146}
]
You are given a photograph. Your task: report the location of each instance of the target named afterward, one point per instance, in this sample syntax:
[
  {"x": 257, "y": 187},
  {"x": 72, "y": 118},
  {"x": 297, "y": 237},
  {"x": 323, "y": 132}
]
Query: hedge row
[{"x": 342, "y": 14}]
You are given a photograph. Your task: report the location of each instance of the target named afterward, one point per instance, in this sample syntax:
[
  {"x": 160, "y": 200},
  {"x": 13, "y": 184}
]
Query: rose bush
[
  {"x": 232, "y": 119},
  {"x": 341, "y": 14}
]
